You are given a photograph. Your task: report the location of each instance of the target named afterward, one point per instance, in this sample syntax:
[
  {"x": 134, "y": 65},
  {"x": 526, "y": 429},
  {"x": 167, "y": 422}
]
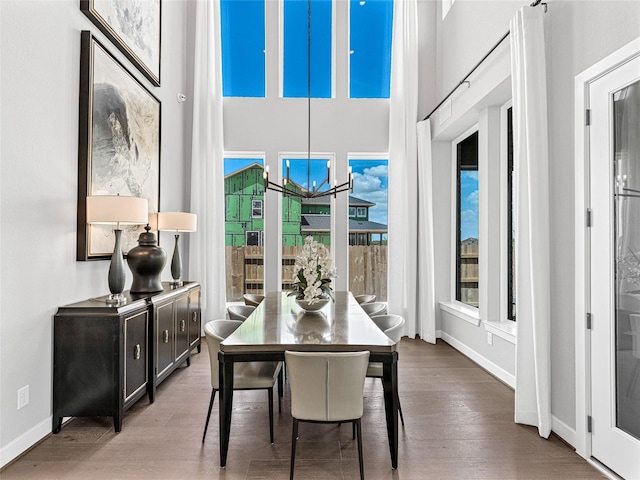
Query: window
[
  {"x": 352, "y": 212},
  {"x": 370, "y": 27},
  {"x": 295, "y": 55},
  {"x": 243, "y": 48},
  {"x": 244, "y": 225},
  {"x": 467, "y": 221},
  {"x": 254, "y": 238},
  {"x": 256, "y": 208},
  {"x": 368, "y": 230},
  {"x": 303, "y": 217},
  {"x": 511, "y": 239}
]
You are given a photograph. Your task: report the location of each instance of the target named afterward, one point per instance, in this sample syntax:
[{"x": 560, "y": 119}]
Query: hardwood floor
[{"x": 459, "y": 425}]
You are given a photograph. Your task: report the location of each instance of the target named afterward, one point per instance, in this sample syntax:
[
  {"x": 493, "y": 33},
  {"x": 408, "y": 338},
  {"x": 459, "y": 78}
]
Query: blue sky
[{"x": 469, "y": 204}]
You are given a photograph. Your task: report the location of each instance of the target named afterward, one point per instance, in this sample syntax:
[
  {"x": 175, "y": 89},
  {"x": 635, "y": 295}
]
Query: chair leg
[
  {"x": 294, "y": 437},
  {"x": 353, "y": 428},
  {"x": 270, "y": 390},
  {"x": 280, "y": 388},
  {"x": 400, "y": 411},
  {"x": 206, "y": 424},
  {"x": 358, "y": 426}
]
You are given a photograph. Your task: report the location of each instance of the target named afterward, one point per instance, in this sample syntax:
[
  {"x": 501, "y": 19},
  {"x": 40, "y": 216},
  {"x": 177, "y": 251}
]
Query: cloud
[
  {"x": 473, "y": 174},
  {"x": 366, "y": 183},
  {"x": 472, "y": 198},
  {"x": 377, "y": 171}
]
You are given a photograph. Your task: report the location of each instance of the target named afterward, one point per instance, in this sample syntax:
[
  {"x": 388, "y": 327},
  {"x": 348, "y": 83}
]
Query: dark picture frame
[
  {"x": 118, "y": 145},
  {"x": 134, "y": 27}
]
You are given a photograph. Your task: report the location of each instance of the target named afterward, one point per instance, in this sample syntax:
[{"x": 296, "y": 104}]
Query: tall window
[
  {"x": 303, "y": 217},
  {"x": 368, "y": 230},
  {"x": 370, "y": 27},
  {"x": 243, "y": 48},
  {"x": 467, "y": 221},
  {"x": 244, "y": 226},
  {"x": 511, "y": 239},
  {"x": 296, "y": 50}
]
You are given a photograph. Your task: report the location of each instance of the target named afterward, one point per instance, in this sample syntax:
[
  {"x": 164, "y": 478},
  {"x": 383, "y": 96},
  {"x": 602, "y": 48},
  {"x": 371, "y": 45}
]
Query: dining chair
[
  {"x": 326, "y": 387},
  {"x": 374, "y": 308},
  {"x": 252, "y": 299},
  {"x": 240, "y": 312},
  {"x": 246, "y": 375},
  {"x": 391, "y": 325},
  {"x": 365, "y": 298}
]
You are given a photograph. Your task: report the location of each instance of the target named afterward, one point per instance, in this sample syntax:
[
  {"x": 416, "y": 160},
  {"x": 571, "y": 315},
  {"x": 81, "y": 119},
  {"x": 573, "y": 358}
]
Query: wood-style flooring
[{"x": 459, "y": 424}]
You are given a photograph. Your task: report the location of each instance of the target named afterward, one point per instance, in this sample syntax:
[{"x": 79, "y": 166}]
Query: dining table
[{"x": 278, "y": 324}]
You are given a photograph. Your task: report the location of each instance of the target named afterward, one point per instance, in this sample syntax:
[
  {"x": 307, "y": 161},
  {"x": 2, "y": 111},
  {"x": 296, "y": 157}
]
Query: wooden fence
[{"x": 245, "y": 270}]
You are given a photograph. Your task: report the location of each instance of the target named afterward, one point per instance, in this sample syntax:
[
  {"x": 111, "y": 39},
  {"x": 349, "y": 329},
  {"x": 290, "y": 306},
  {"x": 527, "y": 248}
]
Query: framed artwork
[
  {"x": 134, "y": 27},
  {"x": 118, "y": 145}
]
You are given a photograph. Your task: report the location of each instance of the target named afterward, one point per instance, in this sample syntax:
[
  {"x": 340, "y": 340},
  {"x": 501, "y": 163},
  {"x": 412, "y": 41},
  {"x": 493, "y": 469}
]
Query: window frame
[
  {"x": 507, "y": 218},
  {"x": 255, "y": 202},
  {"x": 361, "y": 212},
  {"x": 455, "y": 224},
  {"x": 352, "y": 212}
]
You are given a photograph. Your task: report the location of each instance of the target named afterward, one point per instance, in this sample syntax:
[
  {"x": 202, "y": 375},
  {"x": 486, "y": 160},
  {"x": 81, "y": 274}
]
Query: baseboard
[
  {"x": 564, "y": 431},
  {"x": 24, "y": 442},
  {"x": 498, "y": 372}
]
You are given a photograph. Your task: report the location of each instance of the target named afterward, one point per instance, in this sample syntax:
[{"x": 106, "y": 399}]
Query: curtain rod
[{"x": 464, "y": 80}]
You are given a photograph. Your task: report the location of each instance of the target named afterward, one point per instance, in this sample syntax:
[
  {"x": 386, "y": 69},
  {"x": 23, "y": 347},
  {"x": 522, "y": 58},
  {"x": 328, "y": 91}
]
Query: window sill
[
  {"x": 505, "y": 329},
  {"x": 462, "y": 311}
]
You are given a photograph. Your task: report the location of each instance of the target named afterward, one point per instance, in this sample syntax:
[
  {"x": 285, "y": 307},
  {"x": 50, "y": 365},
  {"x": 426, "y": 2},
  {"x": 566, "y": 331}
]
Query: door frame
[{"x": 582, "y": 301}]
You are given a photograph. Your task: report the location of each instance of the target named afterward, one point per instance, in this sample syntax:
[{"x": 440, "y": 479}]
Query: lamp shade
[
  {"x": 177, "y": 221},
  {"x": 117, "y": 209}
]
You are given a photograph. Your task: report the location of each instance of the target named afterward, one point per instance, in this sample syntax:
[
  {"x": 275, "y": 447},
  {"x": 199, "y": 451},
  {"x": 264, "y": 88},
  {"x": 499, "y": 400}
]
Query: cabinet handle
[
  {"x": 165, "y": 336},
  {"x": 182, "y": 325},
  {"x": 195, "y": 317},
  {"x": 136, "y": 352}
]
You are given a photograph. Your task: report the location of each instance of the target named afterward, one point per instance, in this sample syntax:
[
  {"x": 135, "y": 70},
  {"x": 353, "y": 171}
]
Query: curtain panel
[
  {"x": 531, "y": 167},
  {"x": 206, "y": 247},
  {"x": 426, "y": 255},
  {"x": 403, "y": 164}
]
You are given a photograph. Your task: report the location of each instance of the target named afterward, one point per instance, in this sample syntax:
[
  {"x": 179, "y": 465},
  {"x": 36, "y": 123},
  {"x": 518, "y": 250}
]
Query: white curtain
[
  {"x": 426, "y": 257},
  {"x": 403, "y": 165},
  {"x": 531, "y": 167},
  {"x": 206, "y": 247}
]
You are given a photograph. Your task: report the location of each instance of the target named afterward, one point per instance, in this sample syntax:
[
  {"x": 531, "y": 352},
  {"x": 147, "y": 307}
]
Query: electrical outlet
[
  {"x": 23, "y": 397},
  {"x": 490, "y": 338}
]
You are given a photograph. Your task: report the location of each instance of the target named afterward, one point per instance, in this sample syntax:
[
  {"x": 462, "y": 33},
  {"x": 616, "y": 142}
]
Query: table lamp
[
  {"x": 177, "y": 222},
  {"x": 118, "y": 210}
]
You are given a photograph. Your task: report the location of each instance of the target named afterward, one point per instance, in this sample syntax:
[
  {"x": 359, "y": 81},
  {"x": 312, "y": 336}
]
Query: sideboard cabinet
[{"x": 107, "y": 357}]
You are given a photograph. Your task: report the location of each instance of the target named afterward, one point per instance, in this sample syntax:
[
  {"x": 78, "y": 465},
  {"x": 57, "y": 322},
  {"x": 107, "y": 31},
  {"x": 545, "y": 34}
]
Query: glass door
[{"x": 615, "y": 269}]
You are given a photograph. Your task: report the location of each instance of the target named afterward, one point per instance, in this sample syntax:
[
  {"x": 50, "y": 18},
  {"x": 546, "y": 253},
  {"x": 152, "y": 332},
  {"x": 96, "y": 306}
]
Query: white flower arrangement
[{"x": 313, "y": 272}]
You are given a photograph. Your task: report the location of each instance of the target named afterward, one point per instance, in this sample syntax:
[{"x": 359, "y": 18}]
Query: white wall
[
  {"x": 39, "y": 80},
  {"x": 578, "y": 34}
]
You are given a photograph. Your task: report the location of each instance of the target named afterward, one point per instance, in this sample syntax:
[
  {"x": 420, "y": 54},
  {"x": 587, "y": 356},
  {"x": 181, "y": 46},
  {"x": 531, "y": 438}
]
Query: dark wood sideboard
[{"x": 106, "y": 357}]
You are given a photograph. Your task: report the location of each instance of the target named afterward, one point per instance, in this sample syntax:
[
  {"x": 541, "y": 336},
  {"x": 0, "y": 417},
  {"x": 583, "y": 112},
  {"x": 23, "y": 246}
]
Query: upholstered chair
[
  {"x": 327, "y": 388},
  {"x": 246, "y": 375},
  {"x": 240, "y": 312},
  {"x": 252, "y": 299},
  {"x": 374, "y": 308},
  {"x": 365, "y": 298},
  {"x": 392, "y": 326}
]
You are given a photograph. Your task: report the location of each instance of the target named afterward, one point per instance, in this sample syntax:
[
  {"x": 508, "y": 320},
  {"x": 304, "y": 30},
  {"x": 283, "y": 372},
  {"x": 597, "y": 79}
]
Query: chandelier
[{"x": 313, "y": 191}]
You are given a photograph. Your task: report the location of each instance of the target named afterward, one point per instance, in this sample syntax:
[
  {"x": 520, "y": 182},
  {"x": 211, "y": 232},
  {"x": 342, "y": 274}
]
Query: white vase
[{"x": 318, "y": 305}]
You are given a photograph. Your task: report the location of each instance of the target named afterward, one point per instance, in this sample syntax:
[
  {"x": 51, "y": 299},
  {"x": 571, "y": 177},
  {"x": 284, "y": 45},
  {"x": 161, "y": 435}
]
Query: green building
[{"x": 244, "y": 214}]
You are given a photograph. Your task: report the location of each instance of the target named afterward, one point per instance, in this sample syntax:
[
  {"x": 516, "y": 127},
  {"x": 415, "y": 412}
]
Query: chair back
[
  {"x": 215, "y": 332},
  {"x": 240, "y": 312},
  {"x": 252, "y": 299},
  {"x": 366, "y": 298},
  {"x": 326, "y": 387},
  {"x": 374, "y": 308},
  {"x": 391, "y": 325}
]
